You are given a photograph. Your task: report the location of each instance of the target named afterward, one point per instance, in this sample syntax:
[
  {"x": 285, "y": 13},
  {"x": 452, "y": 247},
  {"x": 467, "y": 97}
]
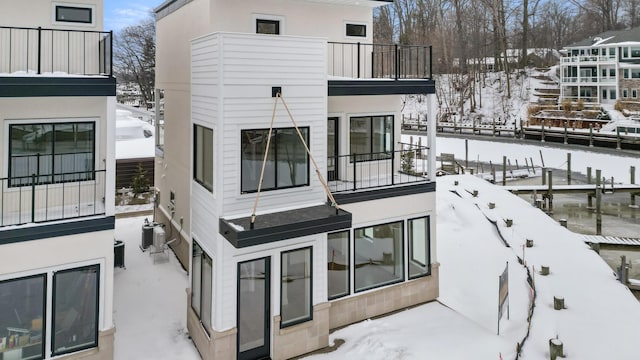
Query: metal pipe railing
[
  {"x": 352, "y": 172},
  {"x": 42, "y": 50},
  {"x": 380, "y": 61},
  {"x": 67, "y": 196}
]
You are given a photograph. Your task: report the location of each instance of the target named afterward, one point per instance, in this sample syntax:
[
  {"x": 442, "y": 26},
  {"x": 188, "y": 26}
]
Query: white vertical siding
[{"x": 232, "y": 76}]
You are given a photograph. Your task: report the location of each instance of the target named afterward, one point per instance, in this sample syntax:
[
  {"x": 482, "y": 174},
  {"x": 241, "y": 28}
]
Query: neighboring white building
[
  {"x": 57, "y": 125},
  {"x": 602, "y": 69},
  {"x": 276, "y": 286}
]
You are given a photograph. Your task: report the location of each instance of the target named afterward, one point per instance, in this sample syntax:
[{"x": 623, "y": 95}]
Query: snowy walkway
[{"x": 149, "y": 302}]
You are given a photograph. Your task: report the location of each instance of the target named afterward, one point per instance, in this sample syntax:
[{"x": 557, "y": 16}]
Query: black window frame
[
  {"x": 310, "y": 304},
  {"x": 95, "y": 343},
  {"x": 44, "y": 307},
  {"x": 67, "y": 7},
  {"x": 401, "y": 257},
  {"x": 348, "y": 265},
  {"x": 274, "y": 143},
  {"x": 200, "y": 161},
  {"x": 427, "y": 246},
  {"x": 51, "y": 177},
  {"x": 199, "y": 312},
  {"x": 353, "y": 30},
  {"x": 371, "y": 155},
  {"x": 268, "y": 22}
]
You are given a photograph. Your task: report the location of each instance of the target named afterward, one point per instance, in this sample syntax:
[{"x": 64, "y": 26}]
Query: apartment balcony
[
  {"x": 379, "y": 69},
  {"x": 588, "y": 80},
  {"x": 51, "y": 62},
  {"x": 44, "y": 198},
  {"x": 361, "y": 177},
  {"x": 588, "y": 59}
]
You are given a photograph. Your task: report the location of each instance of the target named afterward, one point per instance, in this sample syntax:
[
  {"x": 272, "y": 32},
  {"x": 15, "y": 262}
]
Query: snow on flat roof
[{"x": 134, "y": 137}]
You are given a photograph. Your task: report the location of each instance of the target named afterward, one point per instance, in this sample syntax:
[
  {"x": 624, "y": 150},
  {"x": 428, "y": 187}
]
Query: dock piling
[
  {"x": 632, "y": 172},
  {"x": 568, "y": 168},
  {"x": 550, "y": 192}
]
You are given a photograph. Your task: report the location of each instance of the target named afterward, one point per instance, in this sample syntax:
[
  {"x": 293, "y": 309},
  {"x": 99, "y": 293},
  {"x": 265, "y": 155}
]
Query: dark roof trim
[
  {"x": 168, "y": 7},
  {"x": 20, "y": 234},
  {"x": 381, "y": 87},
  {"x": 283, "y": 225},
  {"x": 383, "y": 193},
  {"x": 57, "y": 86}
]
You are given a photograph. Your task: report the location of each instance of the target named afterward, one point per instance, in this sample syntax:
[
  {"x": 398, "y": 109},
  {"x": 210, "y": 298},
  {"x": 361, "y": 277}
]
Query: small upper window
[
  {"x": 74, "y": 14},
  {"x": 357, "y": 30},
  {"x": 271, "y": 27}
]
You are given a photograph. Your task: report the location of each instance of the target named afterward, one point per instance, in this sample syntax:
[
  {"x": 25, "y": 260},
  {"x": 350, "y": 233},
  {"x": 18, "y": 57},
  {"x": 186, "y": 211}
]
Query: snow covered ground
[
  {"x": 598, "y": 323},
  {"x": 611, "y": 165}
]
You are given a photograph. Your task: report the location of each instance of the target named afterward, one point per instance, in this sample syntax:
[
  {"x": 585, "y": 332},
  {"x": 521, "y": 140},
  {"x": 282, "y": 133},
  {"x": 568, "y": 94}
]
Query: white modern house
[
  {"x": 57, "y": 124},
  {"x": 602, "y": 69},
  {"x": 299, "y": 209}
]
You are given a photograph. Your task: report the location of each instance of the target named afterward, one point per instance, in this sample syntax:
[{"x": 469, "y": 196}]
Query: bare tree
[{"x": 134, "y": 56}]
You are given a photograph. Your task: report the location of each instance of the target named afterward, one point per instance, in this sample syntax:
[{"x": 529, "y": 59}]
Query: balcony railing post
[
  {"x": 373, "y": 63},
  {"x": 39, "y": 50},
  {"x": 430, "y": 62},
  {"x": 111, "y": 53},
  {"x": 358, "y": 65},
  {"x": 33, "y": 198},
  {"x": 354, "y": 171},
  {"x": 393, "y": 168},
  {"x": 397, "y": 60}
]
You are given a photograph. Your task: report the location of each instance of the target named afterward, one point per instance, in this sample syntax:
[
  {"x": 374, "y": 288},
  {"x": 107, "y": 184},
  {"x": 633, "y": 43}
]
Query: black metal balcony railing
[
  {"x": 380, "y": 61},
  {"x": 60, "y": 199},
  {"x": 366, "y": 171},
  {"x": 40, "y": 50}
]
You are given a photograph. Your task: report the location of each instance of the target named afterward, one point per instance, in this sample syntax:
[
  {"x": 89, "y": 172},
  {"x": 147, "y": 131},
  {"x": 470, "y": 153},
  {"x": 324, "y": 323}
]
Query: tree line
[{"x": 474, "y": 29}]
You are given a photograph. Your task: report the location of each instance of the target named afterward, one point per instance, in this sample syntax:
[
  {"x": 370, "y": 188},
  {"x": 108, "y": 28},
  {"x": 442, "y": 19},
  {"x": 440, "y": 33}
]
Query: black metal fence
[
  {"x": 57, "y": 200},
  {"x": 380, "y": 61},
  {"x": 365, "y": 171},
  {"x": 40, "y": 50}
]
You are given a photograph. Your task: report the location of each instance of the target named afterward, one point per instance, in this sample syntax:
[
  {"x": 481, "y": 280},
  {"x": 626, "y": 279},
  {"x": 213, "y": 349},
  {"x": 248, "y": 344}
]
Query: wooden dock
[{"x": 569, "y": 189}]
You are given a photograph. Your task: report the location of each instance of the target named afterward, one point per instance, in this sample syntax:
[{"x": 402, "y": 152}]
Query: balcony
[
  {"x": 588, "y": 59},
  {"x": 352, "y": 177},
  {"x": 45, "y": 198},
  {"x": 50, "y": 62},
  {"x": 379, "y": 69}
]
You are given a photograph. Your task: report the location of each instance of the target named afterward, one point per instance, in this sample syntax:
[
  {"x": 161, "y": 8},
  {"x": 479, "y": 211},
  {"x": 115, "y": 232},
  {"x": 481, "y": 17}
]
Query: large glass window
[
  {"x": 338, "y": 264},
  {"x": 371, "y": 137},
  {"x": 201, "y": 285},
  {"x": 378, "y": 257},
  {"x": 196, "y": 277},
  {"x": 295, "y": 294},
  {"x": 203, "y": 156},
  {"x": 287, "y": 163},
  {"x": 207, "y": 282},
  {"x": 75, "y": 309},
  {"x": 22, "y": 310},
  {"x": 74, "y": 14},
  {"x": 51, "y": 152},
  {"x": 418, "y": 233}
]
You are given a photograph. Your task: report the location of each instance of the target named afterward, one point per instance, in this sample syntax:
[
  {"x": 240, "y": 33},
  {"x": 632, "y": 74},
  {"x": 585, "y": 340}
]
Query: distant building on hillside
[
  {"x": 602, "y": 69},
  {"x": 541, "y": 56},
  {"x": 57, "y": 214}
]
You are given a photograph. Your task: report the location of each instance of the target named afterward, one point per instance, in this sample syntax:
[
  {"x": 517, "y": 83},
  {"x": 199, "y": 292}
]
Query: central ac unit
[{"x": 158, "y": 237}]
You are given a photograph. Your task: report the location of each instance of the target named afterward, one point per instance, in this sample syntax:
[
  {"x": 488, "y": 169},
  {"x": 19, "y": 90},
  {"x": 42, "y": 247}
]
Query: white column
[{"x": 432, "y": 111}]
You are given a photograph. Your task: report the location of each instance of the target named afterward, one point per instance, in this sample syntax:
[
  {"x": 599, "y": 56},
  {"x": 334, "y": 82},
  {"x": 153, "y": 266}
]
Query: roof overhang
[
  {"x": 283, "y": 225},
  {"x": 350, "y": 87}
]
